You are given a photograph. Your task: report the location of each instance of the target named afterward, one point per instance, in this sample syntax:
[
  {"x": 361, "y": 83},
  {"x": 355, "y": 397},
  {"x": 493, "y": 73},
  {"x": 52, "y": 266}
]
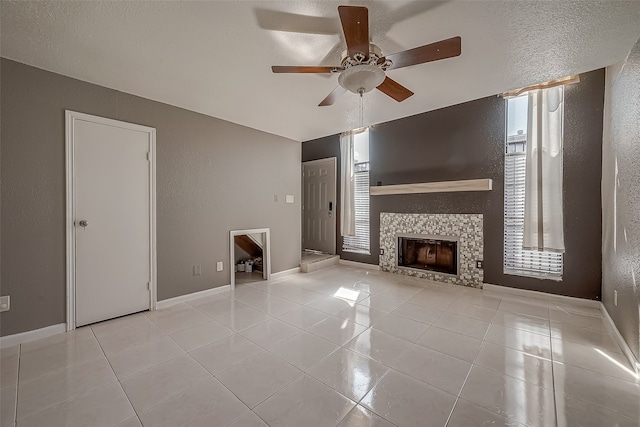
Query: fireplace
[
  {"x": 429, "y": 254},
  {"x": 465, "y": 230}
]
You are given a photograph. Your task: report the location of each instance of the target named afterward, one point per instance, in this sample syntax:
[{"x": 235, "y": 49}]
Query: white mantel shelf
[{"x": 433, "y": 187}]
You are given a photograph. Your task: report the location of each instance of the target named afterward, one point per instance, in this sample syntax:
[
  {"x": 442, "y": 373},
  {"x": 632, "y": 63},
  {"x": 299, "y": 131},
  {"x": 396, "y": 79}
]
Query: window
[
  {"x": 517, "y": 260},
  {"x": 360, "y": 242}
]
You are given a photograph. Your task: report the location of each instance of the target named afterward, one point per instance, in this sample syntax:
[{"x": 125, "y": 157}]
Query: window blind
[
  {"x": 360, "y": 242},
  {"x": 517, "y": 260}
]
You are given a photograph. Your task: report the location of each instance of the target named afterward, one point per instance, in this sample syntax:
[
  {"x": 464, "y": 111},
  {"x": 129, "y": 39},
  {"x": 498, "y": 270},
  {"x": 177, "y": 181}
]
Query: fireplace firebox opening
[{"x": 428, "y": 254}]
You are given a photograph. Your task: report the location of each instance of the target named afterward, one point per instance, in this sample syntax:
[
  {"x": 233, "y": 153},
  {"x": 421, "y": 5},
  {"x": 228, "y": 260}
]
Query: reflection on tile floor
[{"x": 342, "y": 346}]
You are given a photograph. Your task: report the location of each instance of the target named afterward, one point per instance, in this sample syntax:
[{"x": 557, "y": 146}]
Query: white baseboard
[
  {"x": 190, "y": 297},
  {"x": 45, "y": 332},
  {"x": 285, "y": 273},
  {"x": 541, "y": 295},
  {"x": 359, "y": 264},
  {"x": 635, "y": 364}
]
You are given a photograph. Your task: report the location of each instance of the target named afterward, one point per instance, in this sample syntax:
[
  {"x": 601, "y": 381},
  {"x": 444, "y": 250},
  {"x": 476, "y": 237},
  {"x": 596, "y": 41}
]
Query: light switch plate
[
  {"x": 5, "y": 303},
  {"x": 289, "y": 198},
  {"x": 219, "y": 266}
]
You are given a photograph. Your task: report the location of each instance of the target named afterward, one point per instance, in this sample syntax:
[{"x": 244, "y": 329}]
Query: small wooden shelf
[{"x": 433, "y": 187}]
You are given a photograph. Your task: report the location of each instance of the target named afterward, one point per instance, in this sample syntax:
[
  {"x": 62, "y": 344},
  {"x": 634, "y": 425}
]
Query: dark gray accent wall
[
  {"x": 213, "y": 176},
  {"x": 621, "y": 198},
  {"x": 466, "y": 141}
]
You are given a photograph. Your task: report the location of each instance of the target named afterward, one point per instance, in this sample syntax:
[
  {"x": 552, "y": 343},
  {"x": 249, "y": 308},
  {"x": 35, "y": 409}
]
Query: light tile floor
[
  {"x": 244, "y": 278},
  {"x": 393, "y": 350}
]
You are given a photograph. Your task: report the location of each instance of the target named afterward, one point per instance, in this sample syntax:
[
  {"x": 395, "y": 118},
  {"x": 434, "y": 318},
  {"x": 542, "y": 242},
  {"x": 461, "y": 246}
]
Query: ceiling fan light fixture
[
  {"x": 363, "y": 67},
  {"x": 361, "y": 78}
]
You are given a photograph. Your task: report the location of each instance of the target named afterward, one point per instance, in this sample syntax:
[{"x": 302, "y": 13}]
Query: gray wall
[
  {"x": 466, "y": 141},
  {"x": 621, "y": 198},
  {"x": 213, "y": 176}
]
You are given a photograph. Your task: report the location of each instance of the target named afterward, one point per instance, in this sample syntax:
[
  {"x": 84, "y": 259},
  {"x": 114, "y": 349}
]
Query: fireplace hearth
[{"x": 428, "y": 254}]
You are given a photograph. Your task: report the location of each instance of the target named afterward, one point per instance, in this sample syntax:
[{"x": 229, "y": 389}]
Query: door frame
[
  {"x": 335, "y": 202},
  {"x": 266, "y": 253},
  {"x": 70, "y": 118}
]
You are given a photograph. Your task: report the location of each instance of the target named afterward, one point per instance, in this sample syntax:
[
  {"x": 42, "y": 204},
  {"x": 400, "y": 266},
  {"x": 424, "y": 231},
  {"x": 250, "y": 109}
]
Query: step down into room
[{"x": 313, "y": 262}]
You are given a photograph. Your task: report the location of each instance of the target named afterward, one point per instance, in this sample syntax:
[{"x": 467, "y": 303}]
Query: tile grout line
[
  {"x": 550, "y": 355},
  {"x": 117, "y": 378},
  {"x": 458, "y": 396},
  {"x": 328, "y": 315},
  {"x": 198, "y": 382},
  {"x": 467, "y": 377},
  {"x": 551, "y": 359},
  {"x": 84, "y": 394},
  {"x": 266, "y": 398},
  {"x": 579, "y": 399},
  {"x": 357, "y": 403},
  {"x": 525, "y": 381},
  {"x": 170, "y": 397},
  {"x": 213, "y": 376},
  {"x": 389, "y": 369},
  {"x": 365, "y": 395},
  {"x": 413, "y": 344},
  {"x": 431, "y": 385},
  {"x": 211, "y": 373},
  {"x": 482, "y": 340},
  {"x": 51, "y": 405},
  {"x": 553, "y": 375},
  {"x": 15, "y": 406}
]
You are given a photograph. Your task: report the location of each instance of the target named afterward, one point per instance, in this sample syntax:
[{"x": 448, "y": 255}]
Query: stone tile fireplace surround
[{"x": 468, "y": 228}]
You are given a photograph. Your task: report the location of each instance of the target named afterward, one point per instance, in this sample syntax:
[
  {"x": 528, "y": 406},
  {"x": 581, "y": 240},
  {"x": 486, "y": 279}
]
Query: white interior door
[
  {"x": 319, "y": 205},
  {"x": 112, "y": 221}
]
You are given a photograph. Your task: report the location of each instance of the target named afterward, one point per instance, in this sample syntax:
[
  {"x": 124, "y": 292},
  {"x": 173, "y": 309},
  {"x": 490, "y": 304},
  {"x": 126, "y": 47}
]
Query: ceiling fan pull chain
[{"x": 361, "y": 92}]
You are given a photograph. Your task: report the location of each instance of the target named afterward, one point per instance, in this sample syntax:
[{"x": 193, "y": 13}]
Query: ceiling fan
[{"x": 363, "y": 67}]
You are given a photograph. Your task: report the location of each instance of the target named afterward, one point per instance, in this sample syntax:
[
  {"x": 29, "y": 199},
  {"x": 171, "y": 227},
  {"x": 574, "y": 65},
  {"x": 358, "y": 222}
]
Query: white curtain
[
  {"x": 543, "y": 219},
  {"x": 347, "y": 186}
]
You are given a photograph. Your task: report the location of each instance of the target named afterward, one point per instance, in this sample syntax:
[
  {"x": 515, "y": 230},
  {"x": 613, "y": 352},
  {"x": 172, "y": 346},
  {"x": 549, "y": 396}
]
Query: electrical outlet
[
  {"x": 197, "y": 270},
  {"x": 5, "y": 303},
  {"x": 615, "y": 298},
  {"x": 381, "y": 251},
  {"x": 479, "y": 264},
  {"x": 219, "y": 266}
]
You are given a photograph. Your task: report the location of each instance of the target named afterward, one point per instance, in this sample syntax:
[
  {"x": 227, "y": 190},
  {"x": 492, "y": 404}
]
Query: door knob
[{"x": 83, "y": 223}]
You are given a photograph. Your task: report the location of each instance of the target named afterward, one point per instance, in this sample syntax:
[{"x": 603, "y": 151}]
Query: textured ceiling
[{"x": 215, "y": 57}]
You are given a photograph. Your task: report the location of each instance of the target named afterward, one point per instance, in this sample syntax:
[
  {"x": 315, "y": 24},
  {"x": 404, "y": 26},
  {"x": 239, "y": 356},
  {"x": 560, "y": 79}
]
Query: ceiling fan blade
[
  {"x": 304, "y": 69},
  {"x": 355, "y": 25},
  {"x": 432, "y": 52},
  {"x": 294, "y": 23},
  {"x": 333, "y": 96},
  {"x": 394, "y": 89}
]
